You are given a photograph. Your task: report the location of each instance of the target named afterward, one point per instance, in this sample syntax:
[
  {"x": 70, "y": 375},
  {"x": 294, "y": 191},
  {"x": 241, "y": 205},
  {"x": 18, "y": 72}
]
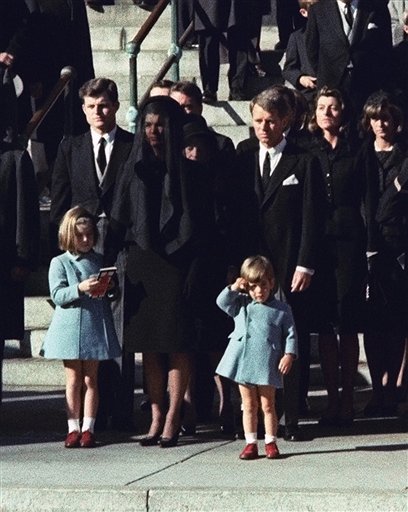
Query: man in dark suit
[
  {"x": 288, "y": 19},
  {"x": 349, "y": 46},
  {"x": 85, "y": 173},
  {"x": 281, "y": 195},
  {"x": 297, "y": 69},
  {"x": 19, "y": 235}
]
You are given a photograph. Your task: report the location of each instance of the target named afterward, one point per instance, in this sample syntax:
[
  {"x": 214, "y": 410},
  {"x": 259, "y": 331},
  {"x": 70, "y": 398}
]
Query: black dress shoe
[
  {"x": 237, "y": 95},
  {"x": 281, "y": 431},
  {"x": 292, "y": 434},
  {"x": 188, "y": 430},
  {"x": 228, "y": 428},
  {"x": 169, "y": 442},
  {"x": 145, "y": 405},
  {"x": 304, "y": 409},
  {"x": 329, "y": 421},
  {"x": 150, "y": 440},
  {"x": 210, "y": 98},
  {"x": 123, "y": 425},
  {"x": 280, "y": 46}
]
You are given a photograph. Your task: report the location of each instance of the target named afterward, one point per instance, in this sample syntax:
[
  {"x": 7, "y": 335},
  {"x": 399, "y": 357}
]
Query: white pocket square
[
  {"x": 291, "y": 180},
  {"x": 371, "y": 25}
]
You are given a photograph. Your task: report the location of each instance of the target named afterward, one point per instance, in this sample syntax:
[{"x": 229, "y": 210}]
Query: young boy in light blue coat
[{"x": 261, "y": 348}]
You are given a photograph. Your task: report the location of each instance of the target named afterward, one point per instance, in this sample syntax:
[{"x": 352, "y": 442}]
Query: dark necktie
[
  {"x": 266, "y": 171},
  {"x": 348, "y": 14},
  {"x": 101, "y": 158}
]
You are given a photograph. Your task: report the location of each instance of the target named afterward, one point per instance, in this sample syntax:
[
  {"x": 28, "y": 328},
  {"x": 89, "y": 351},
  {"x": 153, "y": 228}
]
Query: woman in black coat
[
  {"x": 159, "y": 216},
  {"x": 342, "y": 271},
  {"x": 384, "y": 161}
]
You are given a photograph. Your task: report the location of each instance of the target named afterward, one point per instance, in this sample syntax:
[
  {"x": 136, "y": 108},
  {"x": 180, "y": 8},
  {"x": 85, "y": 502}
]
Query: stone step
[
  {"x": 111, "y": 30},
  {"x": 40, "y": 372},
  {"x": 132, "y": 18},
  {"x": 24, "y": 367}
]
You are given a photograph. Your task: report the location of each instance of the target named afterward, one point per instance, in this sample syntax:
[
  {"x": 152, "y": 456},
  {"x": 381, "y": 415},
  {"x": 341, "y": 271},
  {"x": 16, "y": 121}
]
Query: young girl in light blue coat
[
  {"x": 82, "y": 331},
  {"x": 261, "y": 349}
]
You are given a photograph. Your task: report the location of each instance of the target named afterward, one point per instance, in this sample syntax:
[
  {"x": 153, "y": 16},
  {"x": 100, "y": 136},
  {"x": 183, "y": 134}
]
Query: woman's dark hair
[
  {"x": 380, "y": 105},
  {"x": 328, "y": 92}
]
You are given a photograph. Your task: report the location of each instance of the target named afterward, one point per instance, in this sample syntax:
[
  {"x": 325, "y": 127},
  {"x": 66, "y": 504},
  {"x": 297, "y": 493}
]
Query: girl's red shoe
[
  {"x": 250, "y": 452},
  {"x": 271, "y": 451},
  {"x": 73, "y": 439}
]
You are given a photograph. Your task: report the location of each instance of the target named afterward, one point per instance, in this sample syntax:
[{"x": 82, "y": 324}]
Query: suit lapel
[
  {"x": 282, "y": 171},
  {"x": 86, "y": 157},
  {"x": 333, "y": 17},
  {"x": 116, "y": 159},
  {"x": 257, "y": 176},
  {"x": 360, "y": 22}
]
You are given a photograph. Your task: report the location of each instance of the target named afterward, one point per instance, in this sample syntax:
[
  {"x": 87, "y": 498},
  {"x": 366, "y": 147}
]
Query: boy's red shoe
[
  {"x": 73, "y": 439},
  {"x": 87, "y": 439},
  {"x": 271, "y": 451},
  {"x": 250, "y": 452}
]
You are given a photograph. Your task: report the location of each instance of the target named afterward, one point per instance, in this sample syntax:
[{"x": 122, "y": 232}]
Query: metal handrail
[
  {"x": 66, "y": 75},
  {"x": 133, "y": 49},
  {"x": 168, "y": 63}
]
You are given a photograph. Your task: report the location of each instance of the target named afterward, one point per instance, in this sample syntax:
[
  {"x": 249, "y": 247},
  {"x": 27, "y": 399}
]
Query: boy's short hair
[
  {"x": 405, "y": 18},
  {"x": 164, "y": 83},
  {"x": 305, "y": 4},
  {"x": 98, "y": 86},
  {"x": 274, "y": 98},
  {"x": 74, "y": 217},
  {"x": 190, "y": 89},
  {"x": 256, "y": 268}
]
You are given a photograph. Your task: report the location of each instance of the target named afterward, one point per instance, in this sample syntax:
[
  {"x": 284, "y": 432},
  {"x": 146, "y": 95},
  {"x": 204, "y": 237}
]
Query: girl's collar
[{"x": 80, "y": 256}]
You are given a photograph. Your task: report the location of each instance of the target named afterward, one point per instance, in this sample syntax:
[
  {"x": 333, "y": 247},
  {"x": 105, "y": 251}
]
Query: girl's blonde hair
[
  {"x": 256, "y": 268},
  {"x": 74, "y": 217}
]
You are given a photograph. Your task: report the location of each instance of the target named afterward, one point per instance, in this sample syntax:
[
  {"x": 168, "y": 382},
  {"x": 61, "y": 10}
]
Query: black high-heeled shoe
[
  {"x": 150, "y": 440},
  {"x": 188, "y": 430},
  {"x": 169, "y": 442}
]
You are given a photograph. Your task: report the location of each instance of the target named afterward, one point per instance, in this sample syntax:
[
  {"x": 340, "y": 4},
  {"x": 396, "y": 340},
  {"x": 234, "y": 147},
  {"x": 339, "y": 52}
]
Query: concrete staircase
[{"x": 111, "y": 30}]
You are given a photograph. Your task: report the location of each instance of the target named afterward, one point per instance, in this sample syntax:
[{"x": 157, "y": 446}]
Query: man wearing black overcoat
[
  {"x": 20, "y": 239},
  {"x": 349, "y": 46}
]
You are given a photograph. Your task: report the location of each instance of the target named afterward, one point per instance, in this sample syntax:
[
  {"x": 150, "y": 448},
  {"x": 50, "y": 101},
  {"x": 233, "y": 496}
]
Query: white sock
[
  {"x": 73, "y": 424},
  {"x": 251, "y": 438},
  {"x": 270, "y": 439},
  {"x": 88, "y": 423}
]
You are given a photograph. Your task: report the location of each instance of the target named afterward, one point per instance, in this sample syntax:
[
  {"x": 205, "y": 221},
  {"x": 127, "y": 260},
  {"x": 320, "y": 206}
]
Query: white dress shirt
[{"x": 275, "y": 154}]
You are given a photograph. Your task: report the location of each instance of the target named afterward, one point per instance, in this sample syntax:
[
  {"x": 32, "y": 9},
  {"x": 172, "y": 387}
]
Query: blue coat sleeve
[
  {"x": 63, "y": 292},
  {"x": 289, "y": 333},
  {"x": 231, "y": 302}
]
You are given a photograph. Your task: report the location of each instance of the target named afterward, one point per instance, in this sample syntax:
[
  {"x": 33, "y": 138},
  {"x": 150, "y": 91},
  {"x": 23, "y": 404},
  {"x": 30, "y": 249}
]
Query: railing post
[
  {"x": 132, "y": 49},
  {"x": 174, "y": 47}
]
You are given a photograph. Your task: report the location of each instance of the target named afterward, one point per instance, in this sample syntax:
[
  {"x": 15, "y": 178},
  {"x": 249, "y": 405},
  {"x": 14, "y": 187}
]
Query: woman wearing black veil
[{"x": 158, "y": 215}]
